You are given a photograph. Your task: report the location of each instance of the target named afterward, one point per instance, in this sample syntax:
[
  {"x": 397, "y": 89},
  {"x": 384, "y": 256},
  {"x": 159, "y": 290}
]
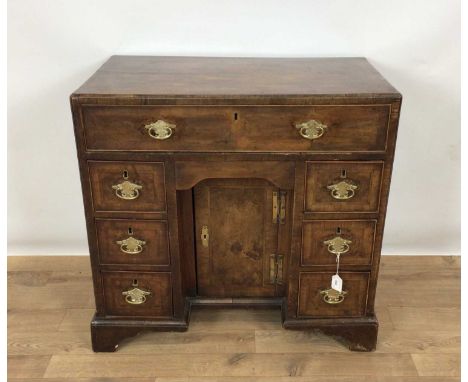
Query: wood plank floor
[{"x": 50, "y": 304}]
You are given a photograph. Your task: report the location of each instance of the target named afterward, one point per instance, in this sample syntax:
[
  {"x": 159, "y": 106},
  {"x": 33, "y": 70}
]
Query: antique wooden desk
[{"x": 235, "y": 181}]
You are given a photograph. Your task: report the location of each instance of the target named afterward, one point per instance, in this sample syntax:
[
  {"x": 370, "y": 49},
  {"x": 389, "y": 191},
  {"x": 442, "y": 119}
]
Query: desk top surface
[{"x": 236, "y": 77}]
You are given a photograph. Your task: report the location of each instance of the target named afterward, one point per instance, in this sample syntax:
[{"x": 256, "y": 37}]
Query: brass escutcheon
[
  {"x": 160, "y": 130},
  {"x": 127, "y": 190},
  {"x": 337, "y": 245},
  {"x": 131, "y": 245},
  {"x": 342, "y": 190},
  {"x": 311, "y": 129},
  {"x": 332, "y": 296},
  {"x": 205, "y": 236}
]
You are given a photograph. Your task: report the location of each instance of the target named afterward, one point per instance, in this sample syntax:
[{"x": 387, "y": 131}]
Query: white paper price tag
[{"x": 337, "y": 283}]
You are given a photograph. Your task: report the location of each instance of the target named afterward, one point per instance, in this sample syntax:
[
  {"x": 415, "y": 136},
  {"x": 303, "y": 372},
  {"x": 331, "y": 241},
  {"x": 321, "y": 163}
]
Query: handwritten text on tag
[{"x": 337, "y": 283}]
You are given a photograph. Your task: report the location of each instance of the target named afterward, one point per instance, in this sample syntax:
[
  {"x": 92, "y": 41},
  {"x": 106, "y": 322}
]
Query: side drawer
[
  {"x": 133, "y": 242},
  {"x": 311, "y": 297},
  {"x": 343, "y": 186},
  {"x": 142, "y": 294},
  {"x": 128, "y": 186},
  {"x": 322, "y": 239}
]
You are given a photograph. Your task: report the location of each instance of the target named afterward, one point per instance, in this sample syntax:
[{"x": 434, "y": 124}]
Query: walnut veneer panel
[
  {"x": 154, "y": 234},
  {"x": 157, "y": 304},
  {"x": 360, "y": 233},
  {"x": 203, "y": 76},
  {"x": 311, "y": 303},
  {"x": 238, "y": 213},
  {"x": 150, "y": 176},
  {"x": 367, "y": 176}
]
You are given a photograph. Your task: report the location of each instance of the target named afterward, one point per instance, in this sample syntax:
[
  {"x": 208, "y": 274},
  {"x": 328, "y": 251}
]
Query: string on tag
[
  {"x": 336, "y": 281},
  {"x": 337, "y": 262}
]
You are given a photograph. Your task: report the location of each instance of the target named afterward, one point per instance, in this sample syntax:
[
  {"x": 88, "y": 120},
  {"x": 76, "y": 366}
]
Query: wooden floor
[{"x": 50, "y": 305}]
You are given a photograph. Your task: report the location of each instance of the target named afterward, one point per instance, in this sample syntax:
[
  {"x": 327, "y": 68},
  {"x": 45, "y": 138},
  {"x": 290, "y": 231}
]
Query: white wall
[{"x": 53, "y": 46}]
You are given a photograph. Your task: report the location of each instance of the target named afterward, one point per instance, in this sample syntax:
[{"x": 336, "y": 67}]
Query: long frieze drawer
[
  {"x": 350, "y": 128},
  {"x": 133, "y": 242},
  {"x": 317, "y": 299},
  {"x": 323, "y": 240},
  {"x": 142, "y": 294},
  {"x": 127, "y": 186},
  {"x": 343, "y": 186}
]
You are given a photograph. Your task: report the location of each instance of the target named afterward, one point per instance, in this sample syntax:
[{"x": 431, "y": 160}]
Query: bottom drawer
[
  {"x": 146, "y": 294},
  {"x": 312, "y": 299}
]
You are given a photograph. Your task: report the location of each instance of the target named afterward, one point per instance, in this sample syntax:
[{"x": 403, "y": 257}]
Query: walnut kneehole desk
[{"x": 235, "y": 181}]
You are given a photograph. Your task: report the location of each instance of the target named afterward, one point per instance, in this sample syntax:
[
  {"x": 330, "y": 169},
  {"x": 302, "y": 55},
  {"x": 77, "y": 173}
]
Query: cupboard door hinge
[
  {"x": 279, "y": 207},
  {"x": 276, "y": 269}
]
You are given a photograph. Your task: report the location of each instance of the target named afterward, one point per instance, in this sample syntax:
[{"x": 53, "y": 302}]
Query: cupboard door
[{"x": 236, "y": 236}]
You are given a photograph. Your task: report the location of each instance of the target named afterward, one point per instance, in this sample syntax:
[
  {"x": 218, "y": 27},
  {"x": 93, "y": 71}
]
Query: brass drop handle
[
  {"x": 127, "y": 190},
  {"x": 131, "y": 245},
  {"x": 342, "y": 190},
  {"x": 338, "y": 245},
  {"x": 135, "y": 295},
  {"x": 160, "y": 130},
  {"x": 332, "y": 296},
  {"x": 311, "y": 129}
]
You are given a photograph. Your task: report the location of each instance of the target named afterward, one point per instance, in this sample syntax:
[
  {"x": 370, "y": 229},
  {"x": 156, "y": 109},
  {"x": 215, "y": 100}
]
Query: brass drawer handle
[
  {"x": 131, "y": 245},
  {"x": 311, "y": 129},
  {"x": 160, "y": 130},
  {"x": 136, "y": 296},
  {"x": 332, "y": 296},
  {"x": 338, "y": 245},
  {"x": 127, "y": 190},
  {"x": 343, "y": 190}
]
